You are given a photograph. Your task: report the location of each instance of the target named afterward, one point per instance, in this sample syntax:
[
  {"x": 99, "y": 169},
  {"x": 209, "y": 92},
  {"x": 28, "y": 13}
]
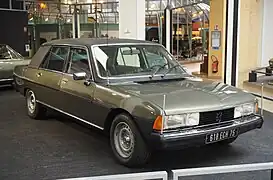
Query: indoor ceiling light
[{"x": 153, "y": 6}]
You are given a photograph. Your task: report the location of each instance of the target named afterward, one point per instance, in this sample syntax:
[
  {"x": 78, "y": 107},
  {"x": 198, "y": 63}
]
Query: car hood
[{"x": 188, "y": 95}]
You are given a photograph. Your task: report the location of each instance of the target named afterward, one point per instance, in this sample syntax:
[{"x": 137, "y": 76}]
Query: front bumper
[{"x": 197, "y": 136}]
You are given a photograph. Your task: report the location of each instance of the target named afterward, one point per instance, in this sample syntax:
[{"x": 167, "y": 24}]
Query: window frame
[
  {"x": 103, "y": 79},
  {"x": 48, "y": 54},
  {"x": 70, "y": 58}
]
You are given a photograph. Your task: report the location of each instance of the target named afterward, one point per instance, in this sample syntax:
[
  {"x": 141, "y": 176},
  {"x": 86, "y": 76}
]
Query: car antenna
[
  {"x": 107, "y": 30},
  {"x": 107, "y": 77},
  {"x": 163, "y": 112},
  {"x": 262, "y": 99}
]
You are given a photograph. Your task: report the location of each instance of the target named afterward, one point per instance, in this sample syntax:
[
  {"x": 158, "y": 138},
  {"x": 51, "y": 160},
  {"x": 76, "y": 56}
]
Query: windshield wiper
[
  {"x": 161, "y": 67},
  {"x": 169, "y": 70}
]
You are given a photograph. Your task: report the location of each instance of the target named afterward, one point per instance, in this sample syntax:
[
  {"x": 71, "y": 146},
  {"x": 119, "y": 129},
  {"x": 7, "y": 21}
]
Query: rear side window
[{"x": 55, "y": 59}]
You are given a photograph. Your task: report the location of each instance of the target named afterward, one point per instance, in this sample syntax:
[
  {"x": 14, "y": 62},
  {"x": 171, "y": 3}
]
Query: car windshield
[{"x": 134, "y": 60}]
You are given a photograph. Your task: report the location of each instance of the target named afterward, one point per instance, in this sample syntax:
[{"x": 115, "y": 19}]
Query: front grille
[{"x": 213, "y": 117}]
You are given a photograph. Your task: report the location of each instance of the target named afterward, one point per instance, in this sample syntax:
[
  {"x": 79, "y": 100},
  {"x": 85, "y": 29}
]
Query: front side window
[
  {"x": 78, "y": 61},
  {"x": 56, "y": 58},
  {"x": 134, "y": 60}
]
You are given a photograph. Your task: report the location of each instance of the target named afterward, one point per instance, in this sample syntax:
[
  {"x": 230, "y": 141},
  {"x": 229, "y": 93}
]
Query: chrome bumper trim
[{"x": 198, "y": 131}]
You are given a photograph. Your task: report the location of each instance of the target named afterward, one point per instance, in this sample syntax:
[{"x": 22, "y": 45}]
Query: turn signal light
[
  {"x": 158, "y": 123},
  {"x": 256, "y": 107}
]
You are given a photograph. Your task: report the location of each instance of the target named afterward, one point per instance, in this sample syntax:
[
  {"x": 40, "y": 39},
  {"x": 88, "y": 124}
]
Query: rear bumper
[
  {"x": 18, "y": 84},
  {"x": 197, "y": 136}
]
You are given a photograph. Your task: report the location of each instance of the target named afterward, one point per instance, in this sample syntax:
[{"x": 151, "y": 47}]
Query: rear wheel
[
  {"x": 127, "y": 143},
  {"x": 34, "y": 109}
]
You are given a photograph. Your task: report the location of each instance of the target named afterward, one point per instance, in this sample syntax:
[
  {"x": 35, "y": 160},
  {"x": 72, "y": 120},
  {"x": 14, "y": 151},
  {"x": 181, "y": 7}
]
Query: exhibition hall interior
[{"x": 136, "y": 89}]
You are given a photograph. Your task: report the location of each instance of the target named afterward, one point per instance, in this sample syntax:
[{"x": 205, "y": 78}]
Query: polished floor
[{"x": 61, "y": 148}]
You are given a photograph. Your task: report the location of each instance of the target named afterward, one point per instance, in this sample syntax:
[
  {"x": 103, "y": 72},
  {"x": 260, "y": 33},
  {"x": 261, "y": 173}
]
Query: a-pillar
[{"x": 132, "y": 19}]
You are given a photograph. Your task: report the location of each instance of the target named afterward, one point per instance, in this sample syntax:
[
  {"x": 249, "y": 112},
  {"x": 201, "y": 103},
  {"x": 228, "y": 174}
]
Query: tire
[
  {"x": 132, "y": 139},
  {"x": 34, "y": 109}
]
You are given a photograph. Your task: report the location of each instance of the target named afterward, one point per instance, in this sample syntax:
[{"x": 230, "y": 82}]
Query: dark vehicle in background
[
  {"x": 137, "y": 93},
  {"x": 9, "y": 59}
]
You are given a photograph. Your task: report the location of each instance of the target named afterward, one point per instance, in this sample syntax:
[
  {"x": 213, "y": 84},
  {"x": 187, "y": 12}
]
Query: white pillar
[
  {"x": 76, "y": 29},
  {"x": 168, "y": 28},
  {"x": 267, "y": 36},
  {"x": 229, "y": 42},
  {"x": 233, "y": 35},
  {"x": 132, "y": 19}
]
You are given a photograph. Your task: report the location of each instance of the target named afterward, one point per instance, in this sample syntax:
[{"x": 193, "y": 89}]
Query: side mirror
[{"x": 79, "y": 76}]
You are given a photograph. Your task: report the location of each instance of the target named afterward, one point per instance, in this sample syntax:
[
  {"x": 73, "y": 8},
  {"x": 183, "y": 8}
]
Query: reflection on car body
[
  {"x": 124, "y": 88},
  {"x": 9, "y": 58}
]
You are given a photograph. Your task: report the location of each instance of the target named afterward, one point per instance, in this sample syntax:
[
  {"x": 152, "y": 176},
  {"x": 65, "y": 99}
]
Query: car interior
[{"x": 126, "y": 60}]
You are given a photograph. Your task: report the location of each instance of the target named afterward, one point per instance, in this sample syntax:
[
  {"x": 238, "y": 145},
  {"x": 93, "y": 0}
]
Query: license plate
[{"x": 222, "y": 135}]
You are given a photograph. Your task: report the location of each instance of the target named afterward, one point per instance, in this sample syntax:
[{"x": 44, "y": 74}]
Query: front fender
[{"x": 144, "y": 114}]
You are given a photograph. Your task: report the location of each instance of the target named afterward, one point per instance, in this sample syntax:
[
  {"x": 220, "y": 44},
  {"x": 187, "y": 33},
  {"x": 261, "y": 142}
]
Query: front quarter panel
[{"x": 143, "y": 112}]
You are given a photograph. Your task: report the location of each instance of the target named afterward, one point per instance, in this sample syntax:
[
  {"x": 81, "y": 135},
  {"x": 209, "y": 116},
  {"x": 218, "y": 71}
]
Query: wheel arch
[
  {"x": 25, "y": 90},
  {"x": 111, "y": 116}
]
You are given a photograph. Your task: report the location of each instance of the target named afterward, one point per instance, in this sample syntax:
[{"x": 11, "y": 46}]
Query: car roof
[{"x": 94, "y": 41}]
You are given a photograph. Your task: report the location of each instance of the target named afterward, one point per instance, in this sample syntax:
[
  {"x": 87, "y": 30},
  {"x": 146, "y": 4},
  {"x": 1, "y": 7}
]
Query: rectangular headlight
[
  {"x": 182, "y": 120},
  {"x": 244, "y": 110}
]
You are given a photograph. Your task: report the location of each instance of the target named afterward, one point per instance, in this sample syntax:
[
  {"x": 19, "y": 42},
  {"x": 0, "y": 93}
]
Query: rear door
[
  {"x": 49, "y": 76},
  {"x": 77, "y": 97}
]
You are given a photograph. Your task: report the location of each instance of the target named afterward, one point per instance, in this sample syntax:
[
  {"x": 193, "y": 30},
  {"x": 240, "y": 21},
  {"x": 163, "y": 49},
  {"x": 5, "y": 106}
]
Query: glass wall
[{"x": 99, "y": 18}]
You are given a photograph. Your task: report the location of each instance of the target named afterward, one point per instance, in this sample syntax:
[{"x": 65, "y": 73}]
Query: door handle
[{"x": 39, "y": 74}]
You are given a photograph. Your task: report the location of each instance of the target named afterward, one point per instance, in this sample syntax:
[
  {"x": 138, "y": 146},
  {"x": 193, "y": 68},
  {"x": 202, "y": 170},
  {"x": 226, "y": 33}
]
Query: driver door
[{"x": 77, "y": 97}]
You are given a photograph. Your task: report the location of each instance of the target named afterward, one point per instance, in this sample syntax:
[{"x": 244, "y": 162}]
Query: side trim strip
[
  {"x": 2, "y": 80},
  {"x": 75, "y": 117}
]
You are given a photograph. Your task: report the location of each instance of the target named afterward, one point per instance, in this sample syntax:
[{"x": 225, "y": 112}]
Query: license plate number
[{"x": 222, "y": 135}]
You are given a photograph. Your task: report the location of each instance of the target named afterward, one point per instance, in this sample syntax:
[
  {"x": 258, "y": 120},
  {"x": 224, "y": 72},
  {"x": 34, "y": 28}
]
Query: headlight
[
  {"x": 182, "y": 120},
  {"x": 245, "y": 109}
]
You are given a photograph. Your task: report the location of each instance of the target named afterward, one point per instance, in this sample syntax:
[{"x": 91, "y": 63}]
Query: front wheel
[
  {"x": 34, "y": 109},
  {"x": 127, "y": 143}
]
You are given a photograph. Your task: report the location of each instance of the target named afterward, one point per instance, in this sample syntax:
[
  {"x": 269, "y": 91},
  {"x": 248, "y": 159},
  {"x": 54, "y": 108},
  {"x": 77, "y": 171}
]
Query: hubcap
[
  {"x": 123, "y": 140},
  {"x": 31, "y": 101}
]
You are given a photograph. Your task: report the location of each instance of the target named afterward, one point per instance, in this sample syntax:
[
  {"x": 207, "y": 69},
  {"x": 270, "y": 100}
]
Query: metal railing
[
  {"x": 179, "y": 173},
  {"x": 223, "y": 169},
  {"x": 252, "y": 75},
  {"x": 156, "y": 175}
]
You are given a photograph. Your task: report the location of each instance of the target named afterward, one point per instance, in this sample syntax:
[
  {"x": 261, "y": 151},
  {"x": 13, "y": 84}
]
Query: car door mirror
[{"x": 79, "y": 76}]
